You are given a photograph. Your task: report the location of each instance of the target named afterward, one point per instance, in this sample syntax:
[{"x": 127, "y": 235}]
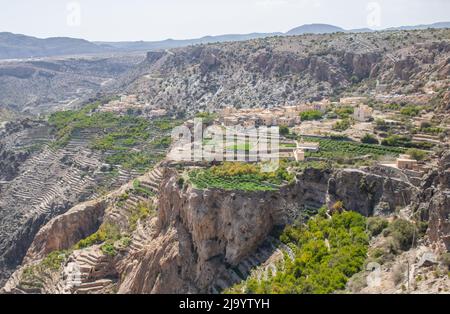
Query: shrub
[
  {"x": 344, "y": 112},
  {"x": 416, "y": 154},
  {"x": 105, "y": 232},
  {"x": 445, "y": 259},
  {"x": 369, "y": 139},
  {"x": 402, "y": 232},
  {"x": 284, "y": 130},
  {"x": 341, "y": 125},
  {"x": 180, "y": 182},
  {"x": 311, "y": 115},
  {"x": 410, "y": 111},
  {"x": 338, "y": 207},
  {"x": 108, "y": 249},
  {"x": 376, "y": 225}
]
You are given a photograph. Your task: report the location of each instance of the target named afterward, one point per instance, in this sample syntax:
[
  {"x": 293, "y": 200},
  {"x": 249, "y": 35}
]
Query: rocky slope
[
  {"x": 55, "y": 84},
  {"x": 285, "y": 70},
  {"x": 39, "y": 181},
  {"x": 200, "y": 240}
]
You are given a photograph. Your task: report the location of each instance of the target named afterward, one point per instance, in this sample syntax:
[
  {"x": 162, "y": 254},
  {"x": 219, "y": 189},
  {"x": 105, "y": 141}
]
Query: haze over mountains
[{"x": 16, "y": 46}]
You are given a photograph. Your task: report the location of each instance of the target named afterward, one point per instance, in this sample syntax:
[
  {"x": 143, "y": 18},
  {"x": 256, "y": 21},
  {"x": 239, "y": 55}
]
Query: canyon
[{"x": 77, "y": 214}]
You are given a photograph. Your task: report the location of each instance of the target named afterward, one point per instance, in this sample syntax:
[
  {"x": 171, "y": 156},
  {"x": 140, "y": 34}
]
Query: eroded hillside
[{"x": 287, "y": 70}]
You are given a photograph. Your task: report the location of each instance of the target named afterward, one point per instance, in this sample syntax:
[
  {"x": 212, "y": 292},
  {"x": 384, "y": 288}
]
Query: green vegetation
[
  {"x": 124, "y": 137},
  {"x": 403, "y": 141},
  {"x": 344, "y": 112},
  {"x": 327, "y": 252},
  {"x": 207, "y": 117},
  {"x": 109, "y": 249},
  {"x": 34, "y": 276},
  {"x": 311, "y": 115},
  {"x": 106, "y": 232},
  {"x": 369, "y": 139},
  {"x": 284, "y": 130},
  {"x": 416, "y": 154},
  {"x": 140, "y": 212},
  {"x": 376, "y": 225},
  {"x": 410, "y": 111},
  {"x": 335, "y": 149},
  {"x": 342, "y": 125},
  {"x": 142, "y": 190},
  {"x": 403, "y": 232},
  {"x": 239, "y": 176}
]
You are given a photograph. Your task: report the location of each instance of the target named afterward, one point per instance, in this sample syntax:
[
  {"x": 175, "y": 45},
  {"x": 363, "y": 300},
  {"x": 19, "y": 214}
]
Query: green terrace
[
  {"x": 239, "y": 176},
  {"x": 341, "y": 148},
  {"x": 130, "y": 141}
]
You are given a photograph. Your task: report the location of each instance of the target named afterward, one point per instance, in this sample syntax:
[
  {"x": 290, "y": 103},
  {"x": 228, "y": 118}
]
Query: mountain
[
  {"x": 14, "y": 46},
  {"x": 422, "y": 26},
  {"x": 315, "y": 29},
  {"x": 172, "y": 43}
]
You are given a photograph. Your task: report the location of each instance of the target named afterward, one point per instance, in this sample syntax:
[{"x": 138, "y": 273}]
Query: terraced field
[
  {"x": 333, "y": 148},
  {"x": 239, "y": 176}
]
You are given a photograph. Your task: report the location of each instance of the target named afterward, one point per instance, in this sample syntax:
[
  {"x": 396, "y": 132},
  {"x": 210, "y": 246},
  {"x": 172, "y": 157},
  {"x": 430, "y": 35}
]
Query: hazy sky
[{"x": 114, "y": 20}]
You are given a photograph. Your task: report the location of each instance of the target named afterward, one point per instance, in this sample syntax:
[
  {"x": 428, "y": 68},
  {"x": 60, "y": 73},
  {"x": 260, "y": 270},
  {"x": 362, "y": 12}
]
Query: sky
[{"x": 131, "y": 20}]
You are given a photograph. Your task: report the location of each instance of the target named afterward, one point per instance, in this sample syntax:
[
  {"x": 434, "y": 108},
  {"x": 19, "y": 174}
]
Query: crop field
[
  {"x": 333, "y": 148},
  {"x": 239, "y": 176}
]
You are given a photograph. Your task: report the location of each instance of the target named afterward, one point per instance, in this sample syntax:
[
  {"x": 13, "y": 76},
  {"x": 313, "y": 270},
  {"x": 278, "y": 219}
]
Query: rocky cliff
[
  {"x": 433, "y": 202},
  {"x": 200, "y": 238},
  {"x": 286, "y": 70}
]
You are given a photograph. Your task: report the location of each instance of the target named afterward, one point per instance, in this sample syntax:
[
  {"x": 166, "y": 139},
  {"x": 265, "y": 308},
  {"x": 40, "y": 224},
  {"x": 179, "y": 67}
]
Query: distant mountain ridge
[{"x": 16, "y": 46}]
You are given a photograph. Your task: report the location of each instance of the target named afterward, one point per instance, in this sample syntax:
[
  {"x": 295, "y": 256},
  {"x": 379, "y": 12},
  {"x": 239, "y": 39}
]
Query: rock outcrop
[
  {"x": 66, "y": 230},
  {"x": 367, "y": 193},
  {"x": 433, "y": 203}
]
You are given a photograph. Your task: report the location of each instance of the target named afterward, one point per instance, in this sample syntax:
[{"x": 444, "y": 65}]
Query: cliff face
[
  {"x": 199, "y": 236},
  {"x": 369, "y": 194},
  {"x": 433, "y": 203},
  {"x": 201, "y": 233},
  {"x": 66, "y": 230}
]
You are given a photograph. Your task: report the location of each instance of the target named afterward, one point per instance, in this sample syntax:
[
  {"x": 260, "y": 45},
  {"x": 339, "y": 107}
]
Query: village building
[
  {"x": 299, "y": 155},
  {"x": 405, "y": 162},
  {"x": 352, "y": 101},
  {"x": 363, "y": 113}
]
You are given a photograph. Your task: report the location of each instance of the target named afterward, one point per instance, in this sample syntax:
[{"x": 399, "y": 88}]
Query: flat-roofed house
[
  {"x": 363, "y": 113},
  {"x": 287, "y": 121},
  {"x": 267, "y": 119},
  {"x": 405, "y": 162},
  {"x": 299, "y": 155}
]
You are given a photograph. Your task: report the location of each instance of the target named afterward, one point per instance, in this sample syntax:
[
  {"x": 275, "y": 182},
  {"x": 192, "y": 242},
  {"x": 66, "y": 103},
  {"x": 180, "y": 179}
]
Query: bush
[
  {"x": 402, "y": 232},
  {"x": 342, "y": 125},
  {"x": 445, "y": 259},
  {"x": 284, "y": 130},
  {"x": 109, "y": 249},
  {"x": 369, "y": 139},
  {"x": 311, "y": 115},
  {"x": 416, "y": 154},
  {"x": 376, "y": 225},
  {"x": 104, "y": 233},
  {"x": 410, "y": 111},
  {"x": 344, "y": 112}
]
